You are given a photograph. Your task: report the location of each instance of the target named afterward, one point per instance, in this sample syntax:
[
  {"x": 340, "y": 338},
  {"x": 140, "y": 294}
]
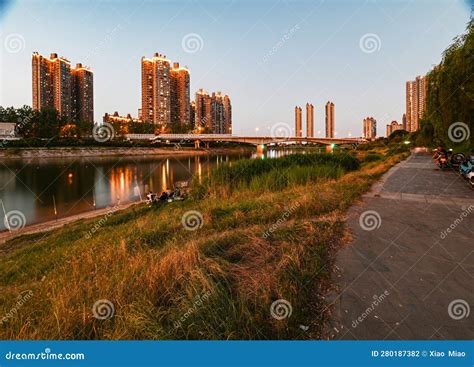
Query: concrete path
[{"x": 409, "y": 273}]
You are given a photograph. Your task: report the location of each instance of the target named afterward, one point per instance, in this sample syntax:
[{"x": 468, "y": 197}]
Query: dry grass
[{"x": 214, "y": 283}]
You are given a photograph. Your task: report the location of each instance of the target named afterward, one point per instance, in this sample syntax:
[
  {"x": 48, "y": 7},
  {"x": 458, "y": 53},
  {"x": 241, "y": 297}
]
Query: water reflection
[{"x": 81, "y": 184}]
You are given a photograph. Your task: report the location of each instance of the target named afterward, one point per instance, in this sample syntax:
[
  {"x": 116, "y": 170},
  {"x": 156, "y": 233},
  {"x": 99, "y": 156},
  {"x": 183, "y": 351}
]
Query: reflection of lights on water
[
  {"x": 122, "y": 181},
  {"x": 70, "y": 177},
  {"x": 199, "y": 170},
  {"x": 163, "y": 177}
]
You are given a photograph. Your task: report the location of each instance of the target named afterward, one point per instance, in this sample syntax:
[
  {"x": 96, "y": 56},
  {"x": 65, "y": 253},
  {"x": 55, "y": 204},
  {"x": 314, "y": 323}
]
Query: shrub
[{"x": 372, "y": 157}]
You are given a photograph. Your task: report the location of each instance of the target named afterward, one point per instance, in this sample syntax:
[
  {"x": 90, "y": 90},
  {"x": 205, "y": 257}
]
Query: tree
[
  {"x": 141, "y": 128},
  {"x": 450, "y": 92},
  {"x": 40, "y": 124},
  {"x": 84, "y": 128},
  {"x": 398, "y": 135}
]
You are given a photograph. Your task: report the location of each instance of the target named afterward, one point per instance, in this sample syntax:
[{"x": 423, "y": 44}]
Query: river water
[{"x": 46, "y": 189}]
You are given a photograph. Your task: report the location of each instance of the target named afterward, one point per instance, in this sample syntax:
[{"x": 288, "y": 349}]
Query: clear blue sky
[{"x": 320, "y": 60}]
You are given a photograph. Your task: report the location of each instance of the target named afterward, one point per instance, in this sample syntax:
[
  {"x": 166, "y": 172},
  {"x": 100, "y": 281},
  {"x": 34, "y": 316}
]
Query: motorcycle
[{"x": 442, "y": 160}]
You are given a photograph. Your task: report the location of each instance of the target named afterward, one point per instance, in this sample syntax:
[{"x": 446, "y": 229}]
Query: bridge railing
[
  {"x": 140, "y": 136},
  {"x": 230, "y": 137},
  {"x": 192, "y": 136}
]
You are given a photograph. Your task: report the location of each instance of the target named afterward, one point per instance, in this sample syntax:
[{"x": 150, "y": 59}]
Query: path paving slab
[{"x": 411, "y": 256}]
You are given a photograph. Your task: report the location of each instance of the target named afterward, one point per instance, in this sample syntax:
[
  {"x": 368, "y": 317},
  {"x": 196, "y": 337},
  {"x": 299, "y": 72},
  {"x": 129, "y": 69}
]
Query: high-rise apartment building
[
  {"x": 62, "y": 86},
  {"x": 330, "y": 118},
  {"x": 309, "y": 120},
  {"x": 156, "y": 90},
  {"x": 82, "y": 93},
  {"x": 192, "y": 113},
  {"x": 56, "y": 85},
  {"x": 213, "y": 112},
  {"x": 227, "y": 115},
  {"x": 298, "y": 121},
  {"x": 404, "y": 121},
  {"x": 370, "y": 128},
  {"x": 203, "y": 116},
  {"x": 217, "y": 113},
  {"x": 415, "y": 102},
  {"x": 393, "y": 126},
  {"x": 180, "y": 94},
  {"x": 43, "y": 95}
]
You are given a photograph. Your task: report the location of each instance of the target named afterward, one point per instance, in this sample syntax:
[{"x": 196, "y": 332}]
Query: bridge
[{"x": 259, "y": 141}]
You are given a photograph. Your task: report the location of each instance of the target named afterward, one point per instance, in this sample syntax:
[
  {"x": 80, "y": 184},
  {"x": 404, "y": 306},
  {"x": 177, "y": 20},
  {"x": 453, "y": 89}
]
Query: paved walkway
[{"x": 405, "y": 275}]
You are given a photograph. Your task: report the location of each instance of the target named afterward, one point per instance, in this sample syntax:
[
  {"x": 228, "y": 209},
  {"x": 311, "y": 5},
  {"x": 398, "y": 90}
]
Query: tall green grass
[
  {"x": 278, "y": 173},
  {"x": 278, "y": 180}
]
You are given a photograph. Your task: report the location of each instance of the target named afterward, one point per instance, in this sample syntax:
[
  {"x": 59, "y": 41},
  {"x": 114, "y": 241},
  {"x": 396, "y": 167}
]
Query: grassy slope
[{"x": 154, "y": 271}]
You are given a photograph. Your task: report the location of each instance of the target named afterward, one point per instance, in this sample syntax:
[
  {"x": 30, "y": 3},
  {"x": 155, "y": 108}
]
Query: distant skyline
[{"x": 268, "y": 56}]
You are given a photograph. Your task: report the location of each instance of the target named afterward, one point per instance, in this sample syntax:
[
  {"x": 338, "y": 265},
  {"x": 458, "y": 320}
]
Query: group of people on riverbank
[{"x": 178, "y": 194}]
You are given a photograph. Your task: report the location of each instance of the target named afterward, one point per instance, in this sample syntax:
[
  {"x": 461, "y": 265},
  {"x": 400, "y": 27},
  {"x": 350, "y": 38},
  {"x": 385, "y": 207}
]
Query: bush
[
  {"x": 397, "y": 149},
  {"x": 372, "y": 157}
]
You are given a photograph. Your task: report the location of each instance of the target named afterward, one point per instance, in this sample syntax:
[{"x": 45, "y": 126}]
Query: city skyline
[
  {"x": 328, "y": 74},
  {"x": 69, "y": 90}
]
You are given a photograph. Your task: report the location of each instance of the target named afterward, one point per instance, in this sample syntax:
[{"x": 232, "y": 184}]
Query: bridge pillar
[
  {"x": 261, "y": 148},
  {"x": 197, "y": 144},
  {"x": 329, "y": 148},
  {"x": 206, "y": 144}
]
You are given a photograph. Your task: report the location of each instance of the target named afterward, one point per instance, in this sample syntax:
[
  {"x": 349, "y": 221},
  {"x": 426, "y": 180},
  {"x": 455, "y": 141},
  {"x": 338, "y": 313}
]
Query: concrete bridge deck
[{"x": 254, "y": 140}]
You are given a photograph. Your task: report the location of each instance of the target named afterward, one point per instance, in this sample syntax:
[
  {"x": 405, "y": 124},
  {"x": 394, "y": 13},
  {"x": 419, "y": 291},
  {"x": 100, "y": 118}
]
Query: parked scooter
[
  {"x": 455, "y": 159},
  {"x": 466, "y": 168},
  {"x": 448, "y": 159}
]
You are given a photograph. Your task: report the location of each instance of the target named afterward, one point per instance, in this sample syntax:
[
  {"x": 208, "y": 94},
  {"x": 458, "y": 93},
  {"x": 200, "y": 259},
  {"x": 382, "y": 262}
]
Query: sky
[{"x": 268, "y": 56}]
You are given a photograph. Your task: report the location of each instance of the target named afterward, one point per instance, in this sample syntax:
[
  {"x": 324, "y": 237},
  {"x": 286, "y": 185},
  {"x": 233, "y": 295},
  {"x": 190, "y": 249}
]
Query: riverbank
[
  {"x": 252, "y": 261},
  {"x": 33, "y": 153},
  {"x": 54, "y": 224}
]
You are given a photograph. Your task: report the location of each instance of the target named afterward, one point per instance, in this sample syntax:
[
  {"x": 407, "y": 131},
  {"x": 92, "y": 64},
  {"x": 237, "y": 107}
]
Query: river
[{"x": 46, "y": 189}]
